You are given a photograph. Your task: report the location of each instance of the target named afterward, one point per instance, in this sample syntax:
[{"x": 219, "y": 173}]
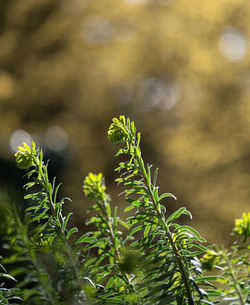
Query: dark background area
[{"x": 180, "y": 70}]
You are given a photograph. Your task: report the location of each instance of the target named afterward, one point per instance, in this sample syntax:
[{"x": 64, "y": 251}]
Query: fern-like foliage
[
  {"x": 147, "y": 258},
  {"x": 50, "y": 269},
  {"x": 233, "y": 265},
  {"x": 170, "y": 251},
  {"x": 8, "y": 295},
  {"x": 26, "y": 261},
  {"x": 110, "y": 267}
]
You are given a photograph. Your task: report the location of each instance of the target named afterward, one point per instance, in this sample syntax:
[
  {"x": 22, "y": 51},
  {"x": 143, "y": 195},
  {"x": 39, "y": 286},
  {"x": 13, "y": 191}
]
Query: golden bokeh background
[{"x": 180, "y": 69}]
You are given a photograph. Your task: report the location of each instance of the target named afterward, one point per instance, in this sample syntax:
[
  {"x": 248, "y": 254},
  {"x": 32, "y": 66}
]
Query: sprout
[
  {"x": 24, "y": 156},
  {"x": 94, "y": 187},
  {"x": 116, "y": 133},
  {"x": 242, "y": 226},
  {"x": 210, "y": 259}
]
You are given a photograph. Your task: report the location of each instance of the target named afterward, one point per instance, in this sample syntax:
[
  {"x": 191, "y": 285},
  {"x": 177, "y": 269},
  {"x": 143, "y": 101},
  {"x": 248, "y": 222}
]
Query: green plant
[
  {"x": 233, "y": 264},
  {"x": 48, "y": 265},
  {"x": 170, "y": 251},
  {"x": 147, "y": 258},
  {"x": 7, "y": 295}
]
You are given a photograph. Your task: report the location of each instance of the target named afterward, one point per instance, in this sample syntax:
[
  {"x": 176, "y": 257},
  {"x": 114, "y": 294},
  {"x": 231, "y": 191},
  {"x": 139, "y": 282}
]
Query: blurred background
[{"x": 180, "y": 69}]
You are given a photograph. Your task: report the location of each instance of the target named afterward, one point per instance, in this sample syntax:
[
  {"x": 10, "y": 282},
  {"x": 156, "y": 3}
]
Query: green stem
[
  {"x": 70, "y": 257},
  {"x": 168, "y": 233},
  {"x": 116, "y": 250},
  {"x": 43, "y": 183},
  {"x": 33, "y": 259},
  {"x": 233, "y": 277}
]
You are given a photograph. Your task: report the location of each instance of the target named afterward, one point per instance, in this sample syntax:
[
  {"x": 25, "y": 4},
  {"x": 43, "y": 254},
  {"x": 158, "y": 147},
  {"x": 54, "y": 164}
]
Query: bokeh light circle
[
  {"x": 56, "y": 139},
  {"x": 232, "y": 44},
  {"x": 18, "y": 137}
]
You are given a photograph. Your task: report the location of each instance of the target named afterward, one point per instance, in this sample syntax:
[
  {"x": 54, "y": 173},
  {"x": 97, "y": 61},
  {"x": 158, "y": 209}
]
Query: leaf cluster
[{"x": 147, "y": 258}]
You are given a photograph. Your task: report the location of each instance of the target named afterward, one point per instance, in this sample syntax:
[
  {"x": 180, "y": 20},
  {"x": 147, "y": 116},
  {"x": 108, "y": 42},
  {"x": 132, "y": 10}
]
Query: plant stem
[
  {"x": 116, "y": 250},
  {"x": 168, "y": 233},
  {"x": 68, "y": 248},
  {"x": 233, "y": 277},
  {"x": 33, "y": 258}
]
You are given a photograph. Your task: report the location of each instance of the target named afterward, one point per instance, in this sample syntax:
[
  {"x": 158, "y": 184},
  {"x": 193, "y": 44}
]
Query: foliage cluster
[
  {"x": 147, "y": 258},
  {"x": 76, "y": 64}
]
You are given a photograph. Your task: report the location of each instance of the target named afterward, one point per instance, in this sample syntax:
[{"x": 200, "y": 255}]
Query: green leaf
[
  {"x": 85, "y": 238},
  {"x": 128, "y": 122},
  {"x": 155, "y": 194},
  {"x": 199, "y": 246},
  {"x": 129, "y": 208},
  {"x": 56, "y": 191},
  {"x": 167, "y": 195},
  {"x": 115, "y": 219},
  {"x": 71, "y": 231},
  {"x": 214, "y": 293},
  {"x": 123, "y": 223},
  {"x": 29, "y": 185},
  {"x": 132, "y": 127},
  {"x": 177, "y": 214},
  {"x": 210, "y": 278},
  {"x": 136, "y": 229},
  {"x": 66, "y": 220},
  {"x": 110, "y": 282},
  {"x": 8, "y": 276},
  {"x": 108, "y": 209},
  {"x": 136, "y": 203},
  {"x": 35, "y": 208},
  {"x": 192, "y": 231},
  {"x": 146, "y": 230},
  {"x": 155, "y": 175},
  {"x": 138, "y": 140},
  {"x": 149, "y": 175}
]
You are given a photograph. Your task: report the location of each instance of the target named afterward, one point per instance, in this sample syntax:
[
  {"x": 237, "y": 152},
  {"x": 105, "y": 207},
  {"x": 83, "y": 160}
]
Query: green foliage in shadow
[{"x": 147, "y": 258}]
